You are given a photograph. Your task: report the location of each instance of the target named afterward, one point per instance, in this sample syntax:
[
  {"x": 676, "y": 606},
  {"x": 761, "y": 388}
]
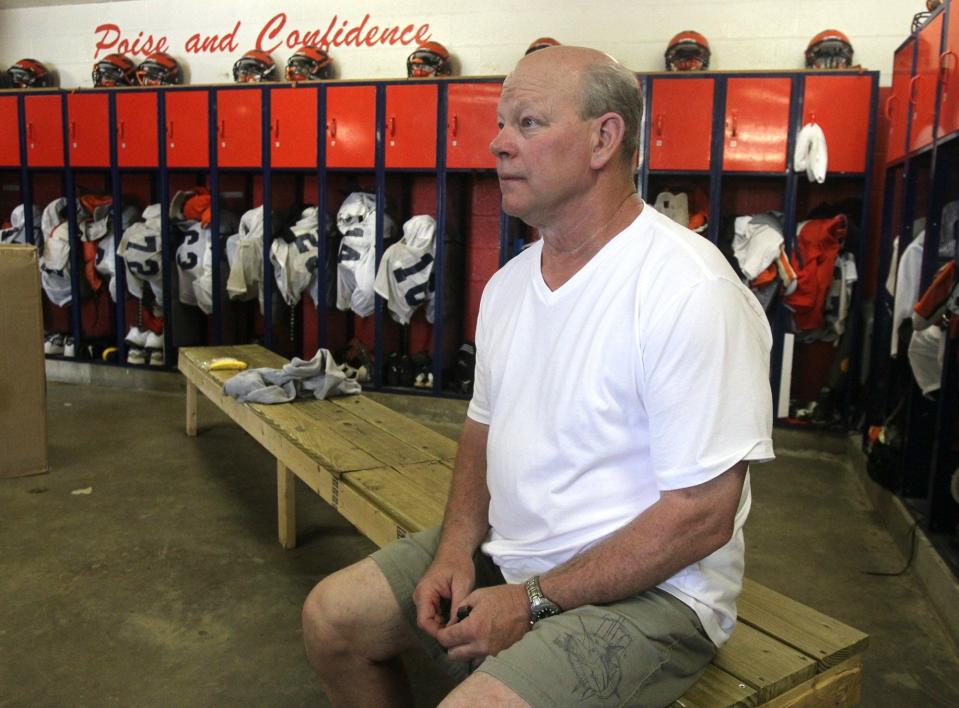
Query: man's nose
[{"x": 502, "y": 144}]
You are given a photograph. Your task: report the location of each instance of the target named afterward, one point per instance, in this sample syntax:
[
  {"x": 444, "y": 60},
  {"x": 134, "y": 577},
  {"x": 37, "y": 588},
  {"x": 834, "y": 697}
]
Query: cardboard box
[{"x": 23, "y": 383}]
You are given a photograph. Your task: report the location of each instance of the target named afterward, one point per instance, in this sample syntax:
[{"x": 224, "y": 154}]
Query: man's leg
[
  {"x": 354, "y": 632},
  {"x": 643, "y": 651},
  {"x": 483, "y": 689}
]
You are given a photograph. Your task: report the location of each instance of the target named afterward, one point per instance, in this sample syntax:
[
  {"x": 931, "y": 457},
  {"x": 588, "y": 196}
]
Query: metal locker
[
  {"x": 471, "y": 125},
  {"x": 681, "y": 118},
  {"x": 410, "y": 132},
  {"x": 137, "y": 133},
  {"x": 293, "y": 124},
  {"x": 88, "y": 136},
  {"x": 350, "y": 126}
]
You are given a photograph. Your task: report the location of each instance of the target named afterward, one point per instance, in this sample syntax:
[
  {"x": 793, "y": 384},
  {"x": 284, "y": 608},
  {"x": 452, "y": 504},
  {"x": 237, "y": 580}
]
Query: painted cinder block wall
[{"x": 485, "y": 38}]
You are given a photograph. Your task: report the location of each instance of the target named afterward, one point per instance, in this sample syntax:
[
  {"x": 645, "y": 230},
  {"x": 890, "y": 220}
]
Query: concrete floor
[{"x": 165, "y": 586}]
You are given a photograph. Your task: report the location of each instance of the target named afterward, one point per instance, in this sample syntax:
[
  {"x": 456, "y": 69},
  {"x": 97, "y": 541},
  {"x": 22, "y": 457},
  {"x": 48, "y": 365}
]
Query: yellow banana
[{"x": 224, "y": 363}]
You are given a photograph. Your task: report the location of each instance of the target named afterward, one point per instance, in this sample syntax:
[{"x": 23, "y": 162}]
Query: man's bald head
[{"x": 599, "y": 84}]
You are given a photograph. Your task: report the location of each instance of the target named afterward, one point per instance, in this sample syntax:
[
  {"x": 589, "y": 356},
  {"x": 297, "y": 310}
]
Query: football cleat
[
  {"x": 53, "y": 344},
  {"x": 136, "y": 355}
]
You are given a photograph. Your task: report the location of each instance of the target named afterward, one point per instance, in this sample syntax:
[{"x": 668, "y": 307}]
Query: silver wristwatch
[{"x": 540, "y": 606}]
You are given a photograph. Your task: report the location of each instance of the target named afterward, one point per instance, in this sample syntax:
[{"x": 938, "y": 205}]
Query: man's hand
[
  {"x": 498, "y": 618},
  {"x": 441, "y": 590}
]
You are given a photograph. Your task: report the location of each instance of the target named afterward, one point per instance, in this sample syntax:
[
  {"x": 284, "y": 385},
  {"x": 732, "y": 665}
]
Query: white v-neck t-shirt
[{"x": 648, "y": 370}]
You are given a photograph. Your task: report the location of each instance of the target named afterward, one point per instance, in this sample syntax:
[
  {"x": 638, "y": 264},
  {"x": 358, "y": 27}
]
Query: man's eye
[{"x": 528, "y": 122}]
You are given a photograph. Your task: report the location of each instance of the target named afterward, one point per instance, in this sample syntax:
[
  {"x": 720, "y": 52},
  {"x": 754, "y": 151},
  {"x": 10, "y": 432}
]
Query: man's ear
[{"x": 608, "y": 132}]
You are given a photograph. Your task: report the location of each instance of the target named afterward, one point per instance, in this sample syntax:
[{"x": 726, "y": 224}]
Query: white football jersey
[
  {"x": 17, "y": 233},
  {"x": 55, "y": 265},
  {"x": 141, "y": 251},
  {"x": 105, "y": 263},
  {"x": 101, "y": 232},
  {"x": 294, "y": 260},
  {"x": 244, "y": 253},
  {"x": 54, "y": 213},
  {"x": 55, "y": 260},
  {"x": 332, "y": 236},
  {"x": 356, "y": 256},
  {"x": 189, "y": 257},
  {"x": 355, "y": 210},
  {"x": 405, "y": 276},
  {"x": 203, "y": 284}
]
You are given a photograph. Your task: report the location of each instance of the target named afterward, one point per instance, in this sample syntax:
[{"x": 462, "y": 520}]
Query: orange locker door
[
  {"x": 293, "y": 127},
  {"x": 239, "y": 128},
  {"x": 841, "y": 106},
  {"x": 681, "y": 116},
  {"x": 471, "y": 124},
  {"x": 410, "y": 130},
  {"x": 9, "y": 132},
  {"x": 350, "y": 126},
  {"x": 923, "y": 85},
  {"x": 949, "y": 61},
  {"x": 757, "y": 124},
  {"x": 137, "y": 133},
  {"x": 897, "y": 104},
  {"x": 88, "y": 125},
  {"x": 44, "y": 123},
  {"x": 187, "y": 128}
]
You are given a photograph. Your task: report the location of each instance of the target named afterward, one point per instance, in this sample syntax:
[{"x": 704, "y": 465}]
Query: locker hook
[
  {"x": 888, "y": 107},
  {"x": 943, "y": 68}
]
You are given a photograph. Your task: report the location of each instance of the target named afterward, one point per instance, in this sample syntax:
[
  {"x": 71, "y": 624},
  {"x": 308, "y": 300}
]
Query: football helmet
[
  {"x": 114, "y": 70},
  {"x": 29, "y": 73},
  {"x": 254, "y": 66},
  {"x": 830, "y": 49},
  {"x": 920, "y": 18},
  {"x": 159, "y": 69},
  {"x": 429, "y": 59},
  {"x": 687, "y": 51},
  {"x": 308, "y": 64},
  {"x": 541, "y": 43}
]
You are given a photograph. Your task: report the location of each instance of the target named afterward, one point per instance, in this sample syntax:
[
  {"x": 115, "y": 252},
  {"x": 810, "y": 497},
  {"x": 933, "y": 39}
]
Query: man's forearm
[
  {"x": 682, "y": 528},
  {"x": 466, "y": 519}
]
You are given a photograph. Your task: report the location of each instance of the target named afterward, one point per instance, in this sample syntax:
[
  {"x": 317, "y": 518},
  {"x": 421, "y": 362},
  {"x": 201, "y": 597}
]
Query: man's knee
[
  {"x": 323, "y": 625},
  {"x": 353, "y": 611}
]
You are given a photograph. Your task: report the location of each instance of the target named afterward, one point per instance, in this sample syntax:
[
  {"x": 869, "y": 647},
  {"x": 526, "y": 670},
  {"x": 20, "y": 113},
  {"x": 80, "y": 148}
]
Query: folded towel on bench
[{"x": 320, "y": 377}]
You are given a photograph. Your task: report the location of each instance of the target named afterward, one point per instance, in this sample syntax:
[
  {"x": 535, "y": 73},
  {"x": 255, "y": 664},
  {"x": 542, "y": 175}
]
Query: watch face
[
  {"x": 539, "y": 605},
  {"x": 544, "y": 608}
]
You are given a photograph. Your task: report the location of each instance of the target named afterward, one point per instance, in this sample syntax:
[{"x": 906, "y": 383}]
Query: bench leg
[
  {"x": 191, "y": 409},
  {"x": 286, "y": 505}
]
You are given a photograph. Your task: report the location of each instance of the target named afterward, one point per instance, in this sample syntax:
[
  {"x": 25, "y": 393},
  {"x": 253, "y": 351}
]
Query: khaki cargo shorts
[{"x": 645, "y": 651}]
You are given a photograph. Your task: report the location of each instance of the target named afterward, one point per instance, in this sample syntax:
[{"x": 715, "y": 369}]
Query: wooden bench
[{"x": 389, "y": 476}]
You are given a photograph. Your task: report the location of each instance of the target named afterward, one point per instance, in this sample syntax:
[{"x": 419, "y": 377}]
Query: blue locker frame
[{"x": 902, "y": 178}]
